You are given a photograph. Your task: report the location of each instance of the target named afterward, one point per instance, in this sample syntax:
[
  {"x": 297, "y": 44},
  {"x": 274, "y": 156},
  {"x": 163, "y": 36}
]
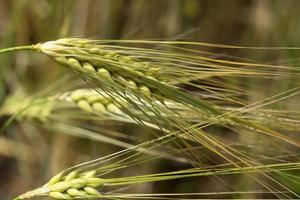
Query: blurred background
[{"x": 28, "y": 154}]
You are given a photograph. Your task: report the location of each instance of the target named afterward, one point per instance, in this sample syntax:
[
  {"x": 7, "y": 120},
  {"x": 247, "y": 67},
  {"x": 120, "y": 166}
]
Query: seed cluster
[
  {"x": 28, "y": 108},
  {"x": 39, "y": 112},
  {"x": 93, "y": 101},
  {"x": 83, "y": 185},
  {"x": 107, "y": 75},
  {"x": 87, "y": 46},
  {"x": 107, "y": 64},
  {"x": 74, "y": 185}
]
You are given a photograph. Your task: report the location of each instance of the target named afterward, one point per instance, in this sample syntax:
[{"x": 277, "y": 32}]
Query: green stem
[{"x": 19, "y": 48}]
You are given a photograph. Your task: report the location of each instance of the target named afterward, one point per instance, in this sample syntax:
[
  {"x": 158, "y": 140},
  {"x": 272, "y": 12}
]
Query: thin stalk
[{"x": 19, "y": 48}]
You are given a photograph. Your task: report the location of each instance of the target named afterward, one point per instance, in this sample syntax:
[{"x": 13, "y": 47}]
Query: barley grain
[
  {"x": 73, "y": 185},
  {"x": 91, "y": 58}
]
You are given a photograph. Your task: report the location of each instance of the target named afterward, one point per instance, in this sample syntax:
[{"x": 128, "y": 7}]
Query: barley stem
[{"x": 19, "y": 48}]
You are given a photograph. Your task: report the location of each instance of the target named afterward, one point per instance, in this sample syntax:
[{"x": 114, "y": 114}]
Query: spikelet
[
  {"x": 85, "y": 57},
  {"x": 69, "y": 186}
]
